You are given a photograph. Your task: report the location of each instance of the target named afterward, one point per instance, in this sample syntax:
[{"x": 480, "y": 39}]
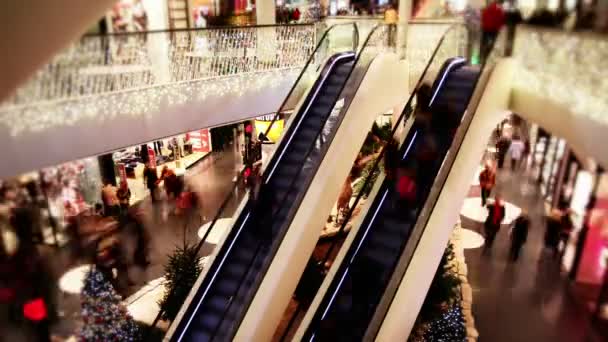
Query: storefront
[{"x": 177, "y": 153}]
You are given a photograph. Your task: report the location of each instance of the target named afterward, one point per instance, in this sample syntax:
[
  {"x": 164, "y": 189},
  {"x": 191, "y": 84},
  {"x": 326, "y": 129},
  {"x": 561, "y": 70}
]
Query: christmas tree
[{"x": 105, "y": 317}]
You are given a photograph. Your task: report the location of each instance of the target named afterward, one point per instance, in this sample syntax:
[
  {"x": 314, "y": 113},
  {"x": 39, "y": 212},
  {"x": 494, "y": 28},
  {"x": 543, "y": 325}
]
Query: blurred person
[
  {"x": 110, "y": 200},
  {"x": 487, "y": 180},
  {"x": 496, "y": 214},
  {"x": 512, "y": 18},
  {"x": 260, "y": 201},
  {"x": 295, "y": 16},
  {"x": 31, "y": 280},
  {"x": 552, "y": 232},
  {"x": 391, "y": 17},
  {"x": 502, "y": 148},
  {"x": 391, "y": 161},
  {"x": 492, "y": 20},
  {"x": 516, "y": 152},
  {"x": 173, "y": 185},
  {"x": 566, "y": 227},
  {"x": 151, "y": 180},
  {"x": 124, "y": 197},
  {"x": 519, "y": 234}
]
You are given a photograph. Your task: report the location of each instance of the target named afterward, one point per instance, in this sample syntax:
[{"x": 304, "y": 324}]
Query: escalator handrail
[
  {"x": 402, "y": 117},
  {"x": 375, "y": 166},
  {"x": 343, "y": 109},
  {"x": 274, "y": 119},
  {"x": 307, "y": 154},
  {"x": 443, "y": 173},
  {"x": 260, "y": 243}
]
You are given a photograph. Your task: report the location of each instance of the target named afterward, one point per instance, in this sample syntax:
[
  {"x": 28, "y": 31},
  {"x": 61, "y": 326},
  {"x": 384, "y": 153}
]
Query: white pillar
[
  {"x": 158, "y": 43},
  {"x": 265, "y": 15},
  {"x": 405, "y": 11},
  {"x": 265, "y": 12}
]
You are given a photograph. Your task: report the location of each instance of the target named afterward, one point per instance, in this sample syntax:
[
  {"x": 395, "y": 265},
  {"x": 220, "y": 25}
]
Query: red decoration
[
  {"x": 35, "y": 310},
  {"x": 200, "y": 140},
  {"x": 248, "y": 128}
]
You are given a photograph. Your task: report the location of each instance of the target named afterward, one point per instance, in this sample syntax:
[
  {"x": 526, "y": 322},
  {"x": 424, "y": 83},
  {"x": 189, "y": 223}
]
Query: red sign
[
  {"x": 200, "y": 140},
  {"x": 122, "y": 173},
  {"x": 151, "y": 157}
]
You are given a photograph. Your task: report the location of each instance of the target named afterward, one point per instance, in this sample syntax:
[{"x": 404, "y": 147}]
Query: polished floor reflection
[{"x": 526, "y": 300}]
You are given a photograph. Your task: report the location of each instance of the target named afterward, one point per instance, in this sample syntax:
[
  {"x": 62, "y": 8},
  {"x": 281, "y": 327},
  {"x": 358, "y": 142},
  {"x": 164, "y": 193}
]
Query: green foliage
[
  {"x": 181, "y": 272},
  {"x": 375, "y": 138},
  {"x": 367, "y": 169}
]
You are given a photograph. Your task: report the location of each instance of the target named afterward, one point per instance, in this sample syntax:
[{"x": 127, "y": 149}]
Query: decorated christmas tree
[{"x": 105, "y": 317}]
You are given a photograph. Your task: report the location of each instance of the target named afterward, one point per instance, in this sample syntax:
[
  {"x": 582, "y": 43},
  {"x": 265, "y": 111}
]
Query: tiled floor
[{"x": 528, "y": 300}]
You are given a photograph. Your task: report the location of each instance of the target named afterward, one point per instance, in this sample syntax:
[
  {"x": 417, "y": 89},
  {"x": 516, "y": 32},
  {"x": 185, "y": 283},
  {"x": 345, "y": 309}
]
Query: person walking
[
  {"x": 487, "y": 180},
  {"x": 519, "y": 234},
  {"x": 496, "y": 214},
  {"x": 492, "y": 20},
  {"x": 552, "y": 232},
  {"x": 124, "y": 197},
  {"x": 502, "y": 148},
  {"x": 516, "y": 152},
  {"x": 110, "y": 200},
  {"x": 390, "y": 19},
  {"x": 151, "y": 180}
]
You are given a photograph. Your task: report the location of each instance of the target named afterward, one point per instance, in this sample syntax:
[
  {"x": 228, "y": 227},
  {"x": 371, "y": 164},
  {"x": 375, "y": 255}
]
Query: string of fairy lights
[
  {"x": 225, "y": 62},
  {"x": 569, "y": 69},
  {"x": 100, "y": 64}
]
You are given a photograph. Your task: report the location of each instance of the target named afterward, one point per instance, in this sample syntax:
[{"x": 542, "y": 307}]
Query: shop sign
[
  {"x": 122, "y": 173},
  {"x": 151, "y": 157},
  {"x": 200, "y": 140}
]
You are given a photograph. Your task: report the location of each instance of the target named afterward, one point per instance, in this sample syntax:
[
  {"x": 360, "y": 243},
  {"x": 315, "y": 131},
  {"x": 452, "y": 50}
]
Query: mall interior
[{"x": 287, "y": 170}]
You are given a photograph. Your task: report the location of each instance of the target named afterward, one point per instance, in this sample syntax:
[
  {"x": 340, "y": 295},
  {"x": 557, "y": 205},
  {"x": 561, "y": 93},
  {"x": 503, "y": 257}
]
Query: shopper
[
  {"x": 552, "y": 233},
  {"x": 516, "y": 151},
  {"x": 110, "y": 200},
  {"x": 173, "y": 185},
  {"x": 487, "y": 180},
  {"x": 31, "y": 280},
  {"x": 512, "y": 18},
  {"x": 151, "y": 180},
  {"x": 492, "y": 20},
  {"x": 502, "y": 147},
  {"x": 391, "y": 161},
  {"x": 496, "y": 214},
  {"x": 519, "y": 234},
  {"x": 124, "y": 197},
  {"x": 391, "y": 18}
]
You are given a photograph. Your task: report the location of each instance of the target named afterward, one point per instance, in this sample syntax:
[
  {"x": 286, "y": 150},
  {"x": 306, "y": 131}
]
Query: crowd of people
[{"x": 558, "y": 223}]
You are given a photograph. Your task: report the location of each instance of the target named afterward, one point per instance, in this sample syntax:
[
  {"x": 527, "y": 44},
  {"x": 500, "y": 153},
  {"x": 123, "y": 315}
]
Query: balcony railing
[
  {"x": 97, "y": 65},
  {"x": 97, "y": 76}
]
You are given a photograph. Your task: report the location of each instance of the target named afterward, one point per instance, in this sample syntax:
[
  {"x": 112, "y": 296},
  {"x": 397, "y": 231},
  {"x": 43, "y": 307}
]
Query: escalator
[
  {"x": 218, "y": 305},
  {"x": 362, "y": 286}
]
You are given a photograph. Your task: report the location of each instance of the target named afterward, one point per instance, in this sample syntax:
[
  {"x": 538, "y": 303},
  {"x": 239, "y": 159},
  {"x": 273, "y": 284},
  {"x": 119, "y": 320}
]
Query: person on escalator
[
  {"x": 260, "y": 200},
  {"x": 391, "y": 161}
]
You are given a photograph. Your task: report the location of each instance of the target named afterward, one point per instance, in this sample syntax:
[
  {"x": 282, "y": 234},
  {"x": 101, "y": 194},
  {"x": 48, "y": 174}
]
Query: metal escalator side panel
[
  {"x": 246, "y": 235},
  {"x": 356, "y": 290}
]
